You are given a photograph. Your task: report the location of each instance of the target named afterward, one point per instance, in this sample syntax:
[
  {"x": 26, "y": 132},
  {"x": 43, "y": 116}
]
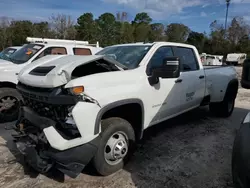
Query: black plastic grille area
[{"x": 54, "y": 112}]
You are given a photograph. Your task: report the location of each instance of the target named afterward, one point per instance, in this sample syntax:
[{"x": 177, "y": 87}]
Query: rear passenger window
[
  {"x": 188, "y": 59},
  {"x": 52, "y": 51},
  {"x": 81, "y": 51}
]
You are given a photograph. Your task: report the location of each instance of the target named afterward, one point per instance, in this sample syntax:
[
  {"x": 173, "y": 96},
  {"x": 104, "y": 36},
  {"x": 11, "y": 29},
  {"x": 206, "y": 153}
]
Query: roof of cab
[{"x": 156, "y": 43}]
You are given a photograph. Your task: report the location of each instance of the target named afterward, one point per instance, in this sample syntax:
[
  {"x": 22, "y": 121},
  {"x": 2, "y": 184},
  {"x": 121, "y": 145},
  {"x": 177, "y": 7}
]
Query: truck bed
[{"x": 216, "y": 77}]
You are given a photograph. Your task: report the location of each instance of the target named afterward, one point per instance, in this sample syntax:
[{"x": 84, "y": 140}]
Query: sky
[{"x": 196, "y": 14}]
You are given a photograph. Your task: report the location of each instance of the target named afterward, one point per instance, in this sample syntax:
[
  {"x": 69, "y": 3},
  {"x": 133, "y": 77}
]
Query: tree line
[{"x": 111, "y": 29}]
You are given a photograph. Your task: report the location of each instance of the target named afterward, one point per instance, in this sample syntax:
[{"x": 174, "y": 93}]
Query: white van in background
[
  {"x": 236, "y": 58},
  {"x": 37, "y": 48},
  {"x": 208, "y": 59}
]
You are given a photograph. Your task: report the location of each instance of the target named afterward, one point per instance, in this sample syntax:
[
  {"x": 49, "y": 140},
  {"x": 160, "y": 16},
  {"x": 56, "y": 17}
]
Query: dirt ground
[{"x": 190, "y": 151}]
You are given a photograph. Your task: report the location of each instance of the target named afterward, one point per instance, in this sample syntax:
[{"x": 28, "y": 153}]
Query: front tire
[
  {"x": 115, "y": 146},
  {"x": 9, "y": 104}
]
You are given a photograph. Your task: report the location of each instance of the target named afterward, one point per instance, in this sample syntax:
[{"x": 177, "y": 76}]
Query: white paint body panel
[
  {"x": 162, "y": 101},
  {"x": 81, "y": 120}
]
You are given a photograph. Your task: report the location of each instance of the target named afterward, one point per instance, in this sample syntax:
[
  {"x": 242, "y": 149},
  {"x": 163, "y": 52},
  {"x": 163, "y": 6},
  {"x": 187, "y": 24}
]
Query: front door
[{"x": 163, "y": 98}]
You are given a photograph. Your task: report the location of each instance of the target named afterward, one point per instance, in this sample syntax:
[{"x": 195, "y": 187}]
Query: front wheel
[
  {"x": 9, "y": 104},
  {"x": 116, "y": 144}
]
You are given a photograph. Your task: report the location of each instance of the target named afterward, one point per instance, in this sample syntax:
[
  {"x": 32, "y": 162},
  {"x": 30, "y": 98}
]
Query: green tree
[
  {"x": 176, "y": 32},
  {"x": 142, "y": 27},
  {"x": 142, "y": 17},
  {"x": 219, "y": 45},
  {"x": 108, "y": 29},
  {"x": 157, "y": 32},
  {"x": 42, "y": 29},
  {"x": 196, "y": 39},
  {"x": 126, "y": 33},
  {"x": 20, "y": 30},
  {"x": 86, "y": 28}
]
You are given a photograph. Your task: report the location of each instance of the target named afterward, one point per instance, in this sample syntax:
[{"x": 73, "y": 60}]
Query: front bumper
[
  {"x": 38, "y": 152},
  {"x": 71, "y": 162}
]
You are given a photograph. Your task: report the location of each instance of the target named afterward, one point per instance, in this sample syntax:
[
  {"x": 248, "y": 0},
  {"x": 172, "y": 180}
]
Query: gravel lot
[{"x": 190, "y": 151}]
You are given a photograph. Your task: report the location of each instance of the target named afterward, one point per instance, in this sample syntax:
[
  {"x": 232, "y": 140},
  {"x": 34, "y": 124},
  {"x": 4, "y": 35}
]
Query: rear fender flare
[{"x": 232, "y": 89}]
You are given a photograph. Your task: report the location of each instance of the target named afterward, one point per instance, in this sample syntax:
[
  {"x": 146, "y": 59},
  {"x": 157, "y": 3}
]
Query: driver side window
[{"x": 158, "y": 57}]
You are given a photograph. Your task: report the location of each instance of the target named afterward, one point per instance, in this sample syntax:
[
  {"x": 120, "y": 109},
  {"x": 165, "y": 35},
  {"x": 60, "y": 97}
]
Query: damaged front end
[{"x": 50, "y": 108}]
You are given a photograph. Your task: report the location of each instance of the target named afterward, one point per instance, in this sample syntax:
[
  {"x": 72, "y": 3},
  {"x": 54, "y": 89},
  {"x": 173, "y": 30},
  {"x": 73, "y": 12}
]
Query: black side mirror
[{"x": 170, "y": 69}]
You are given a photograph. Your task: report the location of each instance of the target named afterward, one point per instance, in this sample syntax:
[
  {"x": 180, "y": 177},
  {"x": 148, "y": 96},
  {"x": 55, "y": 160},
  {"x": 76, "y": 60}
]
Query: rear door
[{"x": 192, "y": 78}]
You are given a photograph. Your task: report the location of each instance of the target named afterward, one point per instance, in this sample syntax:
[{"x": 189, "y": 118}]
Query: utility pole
[{"x": 228, "y": 3}]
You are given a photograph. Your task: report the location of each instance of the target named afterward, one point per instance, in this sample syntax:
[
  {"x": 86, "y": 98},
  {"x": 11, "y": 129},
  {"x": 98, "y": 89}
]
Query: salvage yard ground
[{"x": 190, "y": 151}]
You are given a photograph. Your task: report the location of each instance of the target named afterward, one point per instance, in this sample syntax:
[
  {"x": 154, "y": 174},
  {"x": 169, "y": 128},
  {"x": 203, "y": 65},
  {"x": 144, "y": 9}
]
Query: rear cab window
[
  {"x": 188, "y": 59},
  {"x": 82, "y": 51}
]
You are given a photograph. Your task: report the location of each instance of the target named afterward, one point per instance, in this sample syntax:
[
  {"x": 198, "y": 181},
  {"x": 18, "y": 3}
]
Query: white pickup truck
[
  {"x": 79, "y": 109},
  {"x": 37, "y": 48}
]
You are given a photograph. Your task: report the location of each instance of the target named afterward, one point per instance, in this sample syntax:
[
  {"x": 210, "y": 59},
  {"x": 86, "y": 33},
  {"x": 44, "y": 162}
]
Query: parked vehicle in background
[
  {"x": 241, "y": 149},
  {"x": 208, "y": 59},
  {"x": 9, "y": 51},
  {"x": 236, "y": 58},
  {"x": 37, "y": 48},
  {"x": 94, "y": 108}
]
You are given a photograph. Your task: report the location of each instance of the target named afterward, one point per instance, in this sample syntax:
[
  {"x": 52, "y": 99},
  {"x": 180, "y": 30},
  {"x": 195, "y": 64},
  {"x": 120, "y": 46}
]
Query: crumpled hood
[{"x": 55, "y": 70}]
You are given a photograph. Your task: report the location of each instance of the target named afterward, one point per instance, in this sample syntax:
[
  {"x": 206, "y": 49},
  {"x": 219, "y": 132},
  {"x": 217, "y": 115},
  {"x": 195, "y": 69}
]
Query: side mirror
[{"x": 170, "y": 69}]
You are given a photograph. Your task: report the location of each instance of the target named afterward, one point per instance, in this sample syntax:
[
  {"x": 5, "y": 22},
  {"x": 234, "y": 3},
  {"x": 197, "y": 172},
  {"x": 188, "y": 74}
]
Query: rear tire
[
  {"x": 222, "y": 109},
  {"x": 117, "y": 140},
  {"x": 12, "y": 96}
]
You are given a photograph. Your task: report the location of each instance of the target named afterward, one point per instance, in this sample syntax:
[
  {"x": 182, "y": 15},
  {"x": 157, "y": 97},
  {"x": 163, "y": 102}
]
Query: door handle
[
  {"x": 16, "y": 73},
  {"x": 201, "y": 77},
  {"x": 178, "y": 81}
]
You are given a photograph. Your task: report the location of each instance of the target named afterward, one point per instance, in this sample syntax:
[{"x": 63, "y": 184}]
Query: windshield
[
  {"x": 6, "y": 53},
  {"x": 25, "y": 53},
  {"x": 130, "y": 56}
]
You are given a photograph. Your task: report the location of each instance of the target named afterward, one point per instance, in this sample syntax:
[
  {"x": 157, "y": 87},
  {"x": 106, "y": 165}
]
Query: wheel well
[
  {"x": 232, "y": 88},
  {"x": 7, "y": 84},
  {"x": 132, "y": 112}
]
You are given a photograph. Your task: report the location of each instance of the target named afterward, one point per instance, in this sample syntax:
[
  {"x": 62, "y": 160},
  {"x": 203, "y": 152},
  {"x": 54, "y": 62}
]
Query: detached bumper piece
[{"x": 32, "y": 143}]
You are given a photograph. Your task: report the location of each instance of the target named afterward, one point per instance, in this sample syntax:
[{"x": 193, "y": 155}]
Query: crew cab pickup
[{"x": 78, "y": 109}]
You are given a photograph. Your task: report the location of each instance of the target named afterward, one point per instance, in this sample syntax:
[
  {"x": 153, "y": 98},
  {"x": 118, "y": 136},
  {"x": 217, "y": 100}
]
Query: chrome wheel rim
[
  {"x": 116, "y": 148},
  {"x": 7, "y": 104}
]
